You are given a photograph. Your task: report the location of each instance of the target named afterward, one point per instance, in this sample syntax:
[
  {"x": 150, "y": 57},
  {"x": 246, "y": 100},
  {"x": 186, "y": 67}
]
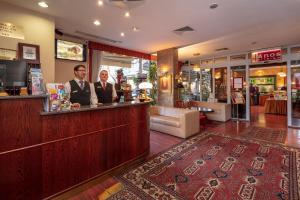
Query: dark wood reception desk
[{"x": 45, "y": 153}]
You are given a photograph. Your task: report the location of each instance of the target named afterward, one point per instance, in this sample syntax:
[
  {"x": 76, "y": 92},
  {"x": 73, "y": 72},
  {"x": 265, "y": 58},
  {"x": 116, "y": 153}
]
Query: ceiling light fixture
[
  {"x": 43, "y": 4},
  {"x": 213, "y": 6},
  {"x": 135, "y": 29},
  {"x": 122, "y": 34},
  {"x": 127, "y": 14},
  {"x": 97, "y": 22},
  {"x": 100, "y": 3}
]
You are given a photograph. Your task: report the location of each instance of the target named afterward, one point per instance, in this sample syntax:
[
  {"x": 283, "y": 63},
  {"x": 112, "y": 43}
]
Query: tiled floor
[{"x": 160, "y": 142}]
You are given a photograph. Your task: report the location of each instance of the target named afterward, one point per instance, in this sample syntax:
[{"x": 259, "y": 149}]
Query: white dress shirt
[
  {"x": 114, "y": 93},
  {"x": 94, "y": 99}
]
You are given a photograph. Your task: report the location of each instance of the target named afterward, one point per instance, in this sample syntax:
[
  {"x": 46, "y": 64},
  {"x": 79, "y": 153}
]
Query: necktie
[
  {"x": 81, "y": 84},
  {"x": 104, "y": 85}
]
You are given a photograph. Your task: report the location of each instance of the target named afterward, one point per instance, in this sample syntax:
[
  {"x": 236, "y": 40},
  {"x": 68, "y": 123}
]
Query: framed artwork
[
  {"x": 8, "y": 54},
  {"x": 165, "y": 84},
  {"x": 29, "y": 52}
]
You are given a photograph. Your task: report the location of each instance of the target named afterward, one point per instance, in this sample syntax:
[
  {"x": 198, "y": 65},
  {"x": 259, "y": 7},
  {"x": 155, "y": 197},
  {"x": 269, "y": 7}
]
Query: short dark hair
[{"x": 76, "y": 68}]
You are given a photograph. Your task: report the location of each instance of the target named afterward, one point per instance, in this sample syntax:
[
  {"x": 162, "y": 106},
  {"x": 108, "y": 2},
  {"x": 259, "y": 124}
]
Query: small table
[
  {"x": 202, "y": 109},
  {"x": 273, "y": 106},
  {"x": 202, "y": 117}
]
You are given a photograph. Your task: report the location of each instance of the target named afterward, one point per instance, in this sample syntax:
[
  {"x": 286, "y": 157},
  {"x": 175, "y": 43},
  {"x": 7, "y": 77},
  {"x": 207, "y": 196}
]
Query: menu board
[
  {"x": 70, "y": 50},
  {"x": 238, "y": 83},
  {"x": 237, "y": 98}
]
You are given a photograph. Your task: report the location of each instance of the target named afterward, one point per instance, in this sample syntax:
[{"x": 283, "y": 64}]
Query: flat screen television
[
  {"x": 13, "y": 73},
  {"x": 70, "y": 50}
]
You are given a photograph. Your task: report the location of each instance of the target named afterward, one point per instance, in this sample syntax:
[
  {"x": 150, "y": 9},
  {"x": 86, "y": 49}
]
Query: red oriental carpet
[
  {"x": 215, "y": 167},
  {"x": 267, "y": 134}
]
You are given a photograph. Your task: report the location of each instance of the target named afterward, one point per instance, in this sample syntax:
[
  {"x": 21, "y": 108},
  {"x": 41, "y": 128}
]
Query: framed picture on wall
[
  {"x": 8, "y": 54},
  {"x": 165, "y": 84},
  {"x": 29, "y": 52}
]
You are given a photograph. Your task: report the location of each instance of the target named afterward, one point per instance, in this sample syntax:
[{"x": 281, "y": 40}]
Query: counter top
[
  {"x": 23, "y": 97},
  {"x": 95, "y": 107}
]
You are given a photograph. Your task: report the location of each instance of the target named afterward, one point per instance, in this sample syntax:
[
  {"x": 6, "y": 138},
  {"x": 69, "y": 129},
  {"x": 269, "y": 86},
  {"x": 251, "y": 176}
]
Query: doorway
[{"x": 268, "y": 94}]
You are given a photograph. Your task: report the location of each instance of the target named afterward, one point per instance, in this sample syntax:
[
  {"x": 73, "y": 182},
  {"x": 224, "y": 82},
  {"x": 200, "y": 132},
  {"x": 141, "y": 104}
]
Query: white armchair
[{"x": 174, "y": 121}]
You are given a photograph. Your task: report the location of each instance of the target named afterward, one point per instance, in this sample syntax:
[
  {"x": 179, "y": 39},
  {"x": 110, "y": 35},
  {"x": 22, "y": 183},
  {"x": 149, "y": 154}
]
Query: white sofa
[
  {"x": 222, "y": 111},
  {"x": 174, "y": 121}
]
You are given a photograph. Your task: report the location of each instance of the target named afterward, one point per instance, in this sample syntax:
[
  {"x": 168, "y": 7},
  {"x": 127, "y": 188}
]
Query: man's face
[
  {"x": 80, "y": 73},
  {"x": 103, "y": 76}
]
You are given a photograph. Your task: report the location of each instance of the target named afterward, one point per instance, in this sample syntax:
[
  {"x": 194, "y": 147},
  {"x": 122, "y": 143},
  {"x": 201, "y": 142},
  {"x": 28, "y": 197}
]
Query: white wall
[{"x": 38, "y": 29}]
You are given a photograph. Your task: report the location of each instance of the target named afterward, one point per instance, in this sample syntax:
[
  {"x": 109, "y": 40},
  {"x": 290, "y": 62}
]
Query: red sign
[{"x": 265, "y": 56}]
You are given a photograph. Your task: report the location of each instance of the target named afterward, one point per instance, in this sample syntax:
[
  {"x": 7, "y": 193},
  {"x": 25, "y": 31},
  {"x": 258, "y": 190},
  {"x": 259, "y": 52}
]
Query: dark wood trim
[
  {"x": 90, "y": 64},
  {"x": 20, "y": 51},
  {"x": 259, "y": 65},
  {"x": 105, "y": 174}
]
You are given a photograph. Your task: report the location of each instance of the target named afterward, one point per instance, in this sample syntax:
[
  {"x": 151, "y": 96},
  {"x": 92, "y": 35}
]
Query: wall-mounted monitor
[{"x": 70, "y": 50}]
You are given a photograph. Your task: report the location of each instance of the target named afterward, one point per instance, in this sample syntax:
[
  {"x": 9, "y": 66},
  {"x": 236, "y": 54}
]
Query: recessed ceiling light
[
  {"x": 135, "y": 29},
  {"x": 127, "y": 14},
  {"x": 213, "y": 6},
  {"x": 100, "y": 3},
  {"x": 122, "y": 34},
  {"x": 97, "y": 22},
  {"x": 43, "y": 4}
]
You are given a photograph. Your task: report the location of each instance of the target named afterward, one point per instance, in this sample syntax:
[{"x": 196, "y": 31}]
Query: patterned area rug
[
  {"x": 267, "y": 134},
  {"x": 215, "y": 167}
]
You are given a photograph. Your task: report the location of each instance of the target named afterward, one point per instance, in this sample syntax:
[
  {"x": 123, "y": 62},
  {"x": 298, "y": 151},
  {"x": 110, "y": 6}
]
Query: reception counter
[{"x": 45, "y": 153}]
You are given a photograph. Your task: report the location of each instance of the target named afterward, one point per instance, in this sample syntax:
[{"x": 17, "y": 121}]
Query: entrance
[{"x": 268, "y": 94}]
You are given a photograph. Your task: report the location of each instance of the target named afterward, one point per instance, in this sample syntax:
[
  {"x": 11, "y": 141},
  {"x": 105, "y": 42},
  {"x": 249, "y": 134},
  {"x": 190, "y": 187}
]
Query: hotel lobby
[{"x": 148, "y": 99}]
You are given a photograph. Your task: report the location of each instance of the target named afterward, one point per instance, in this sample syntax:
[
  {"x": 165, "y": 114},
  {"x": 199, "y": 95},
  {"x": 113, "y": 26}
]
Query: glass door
[
  {"x": 238, "y": 90},
  {"x": 220, "y": 77},
  {"x": 295, "y": 95}
]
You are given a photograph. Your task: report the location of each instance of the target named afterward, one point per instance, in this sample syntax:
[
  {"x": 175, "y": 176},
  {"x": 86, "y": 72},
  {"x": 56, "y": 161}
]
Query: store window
[
  {"x": 206, "y": 84},
  {"x": 295, "y": 94},
  {"x": 134, "y": 70}
]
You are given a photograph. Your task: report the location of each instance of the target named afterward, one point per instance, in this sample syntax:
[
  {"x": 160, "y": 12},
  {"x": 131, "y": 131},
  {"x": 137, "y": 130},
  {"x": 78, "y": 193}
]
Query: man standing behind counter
[
  {"x": 81, "y": 92},
  {"x": 106, "y": 92}
]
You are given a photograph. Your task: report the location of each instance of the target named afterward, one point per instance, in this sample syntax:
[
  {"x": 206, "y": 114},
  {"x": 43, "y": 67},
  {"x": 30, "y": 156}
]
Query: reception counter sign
[
  {"x": 11, "y": 31},
  {"x": 266, "y": 56}
]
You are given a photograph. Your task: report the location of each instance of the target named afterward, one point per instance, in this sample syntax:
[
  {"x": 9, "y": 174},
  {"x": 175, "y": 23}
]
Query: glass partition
[
  {"x": 206, "y": 83},
  {"x": 221, "y": 84},
  {"x": 238, "y": 85},
  {"x": 295, "y": 90}
]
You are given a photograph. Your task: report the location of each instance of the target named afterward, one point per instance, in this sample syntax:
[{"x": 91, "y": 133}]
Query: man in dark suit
[
  {"x": 80, "y": 91},
  {"x": 106, "y": 92}
]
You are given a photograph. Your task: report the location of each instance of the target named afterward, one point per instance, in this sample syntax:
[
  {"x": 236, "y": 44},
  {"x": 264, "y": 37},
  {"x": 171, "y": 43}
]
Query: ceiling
[{"x": 239, "y": 25}]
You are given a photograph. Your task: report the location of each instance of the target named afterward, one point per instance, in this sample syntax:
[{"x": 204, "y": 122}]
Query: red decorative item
[{"x": 265, "y": 56}]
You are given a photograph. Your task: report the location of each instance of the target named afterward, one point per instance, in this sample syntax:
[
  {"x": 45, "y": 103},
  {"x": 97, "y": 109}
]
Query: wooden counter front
[{"x": 46, "y": 154}]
